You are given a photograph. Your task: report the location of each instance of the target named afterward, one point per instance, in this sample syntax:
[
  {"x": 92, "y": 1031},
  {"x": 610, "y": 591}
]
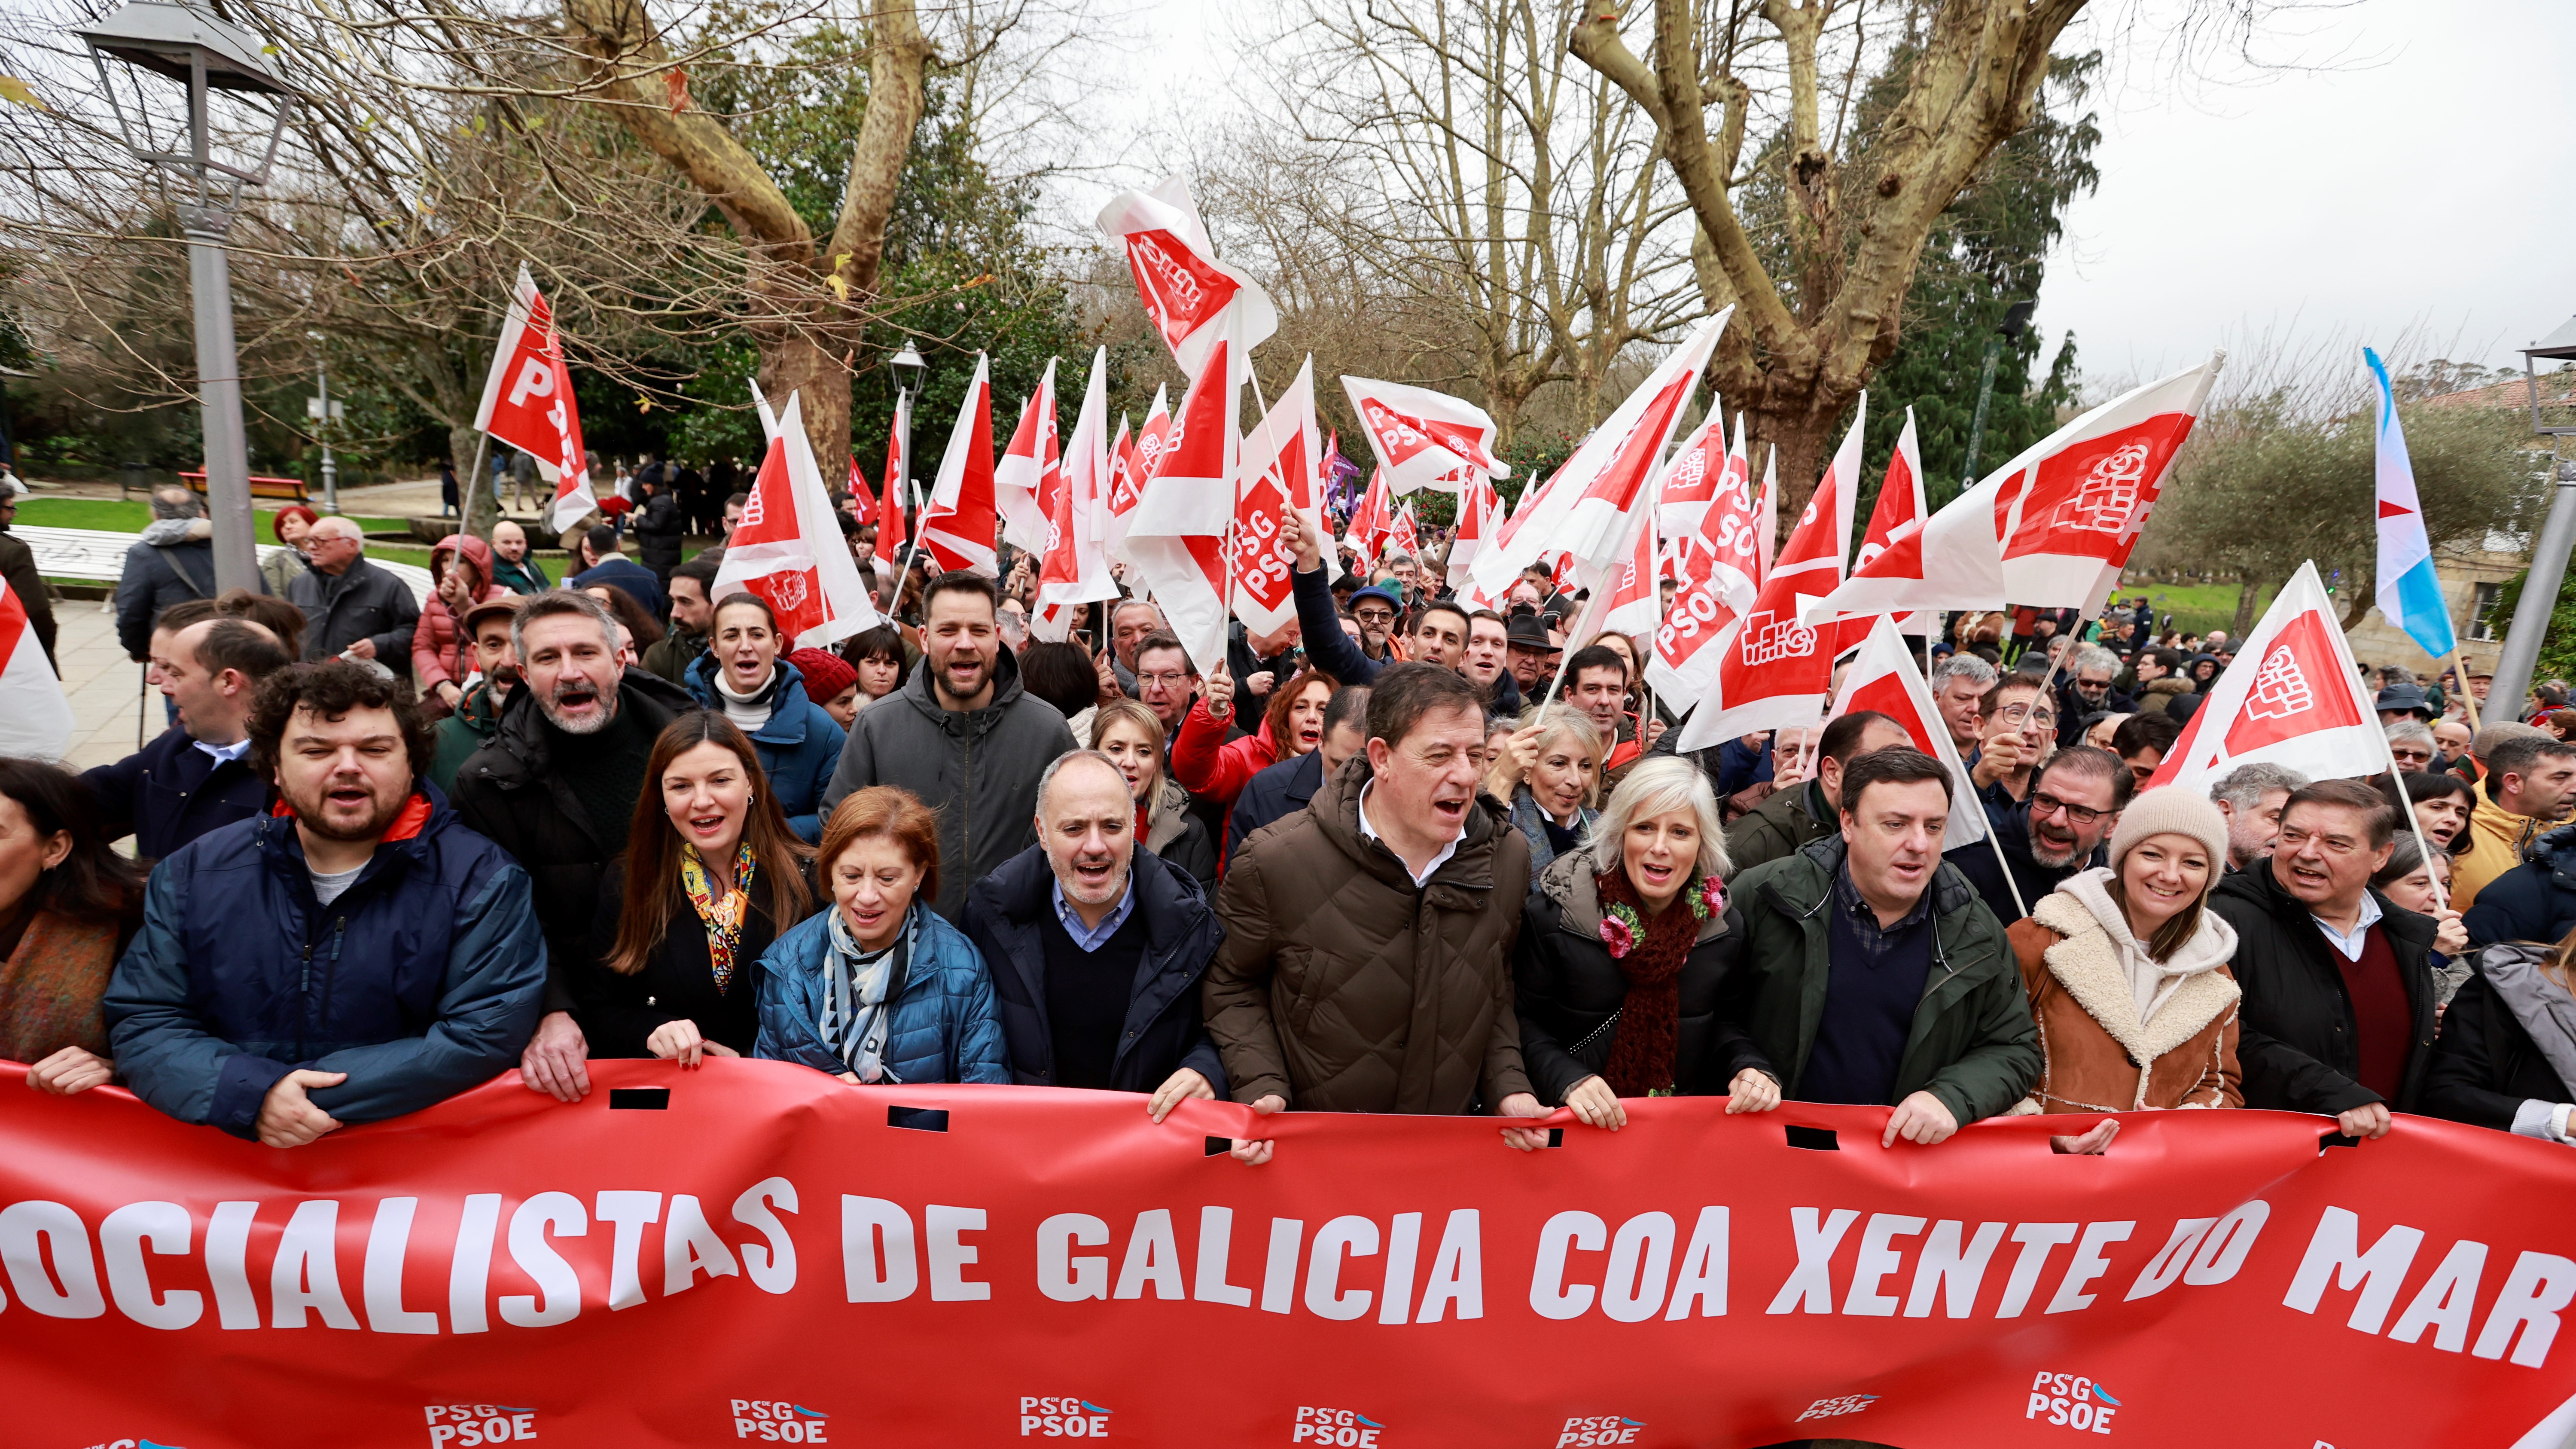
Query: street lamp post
[
  {"x": 2016, "y": 318},
  {"x": 324, "y": 413},
  {"x": 909, "y": 370},
  {"x": 194, "y": 48},
  {"x": 2549, "y": 553}
]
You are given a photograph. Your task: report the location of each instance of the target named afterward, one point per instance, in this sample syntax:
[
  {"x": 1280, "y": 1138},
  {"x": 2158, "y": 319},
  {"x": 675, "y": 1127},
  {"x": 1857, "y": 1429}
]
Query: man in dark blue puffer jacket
[{"x": 358, "y": 955}]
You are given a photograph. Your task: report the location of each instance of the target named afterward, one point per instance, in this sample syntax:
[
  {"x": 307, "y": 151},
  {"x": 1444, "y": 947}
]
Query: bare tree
[{"x": 1819, "y": 282}]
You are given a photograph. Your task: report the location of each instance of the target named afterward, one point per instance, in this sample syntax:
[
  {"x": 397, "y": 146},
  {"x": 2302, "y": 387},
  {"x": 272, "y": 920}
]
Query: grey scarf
[
  {"x": 855, "y": 985},
  {"x": 2542, "y": 1006}
]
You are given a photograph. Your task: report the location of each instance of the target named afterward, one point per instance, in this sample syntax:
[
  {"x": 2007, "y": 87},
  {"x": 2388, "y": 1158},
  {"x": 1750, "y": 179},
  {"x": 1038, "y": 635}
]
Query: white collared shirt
[
  {"x": 2350, "y": 945},
  {"x": 233, "y": 751},
  {"x": 1437, "y": 861}
]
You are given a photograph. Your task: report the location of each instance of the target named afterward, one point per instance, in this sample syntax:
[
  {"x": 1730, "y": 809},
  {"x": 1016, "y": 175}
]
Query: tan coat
[
  {"x": 1342, "y": 988},
  {"x": 2090, "y": 1034}
]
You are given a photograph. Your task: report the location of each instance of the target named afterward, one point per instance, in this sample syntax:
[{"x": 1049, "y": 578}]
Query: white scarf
[
  {"x": 748, "y": 711},
  {"x": 2151, "y": 982}
]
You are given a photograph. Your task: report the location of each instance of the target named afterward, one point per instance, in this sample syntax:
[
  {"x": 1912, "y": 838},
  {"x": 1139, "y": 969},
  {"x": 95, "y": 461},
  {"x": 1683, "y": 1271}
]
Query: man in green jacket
[
  {"x": 1798, "y": 814},
  {"x": 478, "y": 713},
  {"x": 1873, "y": 973}
]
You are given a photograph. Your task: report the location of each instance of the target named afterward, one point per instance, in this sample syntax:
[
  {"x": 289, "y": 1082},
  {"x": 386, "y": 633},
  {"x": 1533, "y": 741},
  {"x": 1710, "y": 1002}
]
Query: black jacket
[
  {"x": 2534, "y": 901},
  {"x": 1567, "y": 988},
  {"x": 2299, "y": 1046},
  {"x": 2485, "y": 1066},
  {"x": 1273, "y": 792},
  {"x": 678, "y": 982},
  {"x": 165, "y": 566},
  {"x": 170, "y": 792},
  {"x": 364, "y": 602},
  {"x": 1166, "y": 1030},
  {"x": 1319, "y": 624},
  {"x": 509, "y": 790},
  {"x": 2012, "y": 831},
  {"x": 658, "y": 525}
]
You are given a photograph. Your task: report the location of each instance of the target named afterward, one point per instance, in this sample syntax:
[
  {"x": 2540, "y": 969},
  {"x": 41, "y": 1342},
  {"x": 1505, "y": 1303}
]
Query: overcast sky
[{"x": 2412, "y": 173}]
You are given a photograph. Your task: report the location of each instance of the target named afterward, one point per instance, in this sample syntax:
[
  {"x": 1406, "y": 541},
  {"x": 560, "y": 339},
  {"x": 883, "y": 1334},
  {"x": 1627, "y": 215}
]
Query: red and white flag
[
  {"x": 1074, "y": 570},
  {"x": 788, "y": 548},
  {"x": 1627, "y": 599},
  {"x": 1193, "y": 299},
  {"x": 1587, "y": 507},
  {"x": 1281, "y": 459},
  {"x": 1188, "y": 490},
  {"x": 1690, "y": 483},
  {"x": 1896, "y": 522},
  {"x": 1726, "y": 574},
  {"x": 1480, "y": 516},
  {"x": 1952, "y": 561},
  {"x": 528, "y": 403},
  {"x": 1774, "y": 671},
  {"x": 863, "y": 499},
  {"x": 1403, "y": 539},
  {"x": 35, "y": 718},
  {"x": 1033, "y": 457},
  {"x": 1131, "y": 461},
  {"x": 2081, "y": 495},
  {"x": 957, "y": 525},
  {"x": 2291, "y": 698},
  {"x": 1371, "y": 522},
  {"x": 1423, "y": 439},
  {"x": 1884, "y": 676},
  {"x": 891, "y": 527}
]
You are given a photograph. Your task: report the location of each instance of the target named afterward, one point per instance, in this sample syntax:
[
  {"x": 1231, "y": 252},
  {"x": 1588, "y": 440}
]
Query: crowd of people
[{"x": 1406, "y": 856}]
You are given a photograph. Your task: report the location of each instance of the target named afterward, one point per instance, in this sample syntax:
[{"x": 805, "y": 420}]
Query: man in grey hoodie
[
  {"x": 961, "y": 736},
  {"x": 173, "y": 560}
]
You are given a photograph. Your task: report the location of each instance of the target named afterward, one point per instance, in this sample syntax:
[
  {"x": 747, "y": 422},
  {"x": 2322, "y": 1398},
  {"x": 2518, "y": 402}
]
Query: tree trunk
[
  {"x": 473, "y": 458},
  {"x": 1803, "y": 442},
  {"x": 794, "y": 362},
  {"x": 2249, "y": 584}
]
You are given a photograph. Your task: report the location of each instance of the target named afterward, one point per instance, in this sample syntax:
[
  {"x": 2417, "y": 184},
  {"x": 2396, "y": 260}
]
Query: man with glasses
[
  {"x": 1375, "y": 609},
  {"x": 2058, "y": 832},
  {"x": 2021, "y": 731},
  {"x": 1166, "y": 681},
  {"x": 2338, "y": 1010},
  {"x": 2088, "y": 689}
]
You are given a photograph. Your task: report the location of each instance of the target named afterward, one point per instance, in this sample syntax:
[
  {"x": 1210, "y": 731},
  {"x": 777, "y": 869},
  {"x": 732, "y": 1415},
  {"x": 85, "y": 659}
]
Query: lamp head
[{"x": 168, "y": 38}]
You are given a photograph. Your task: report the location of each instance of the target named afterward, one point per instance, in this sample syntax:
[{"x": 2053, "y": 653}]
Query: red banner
[{"x": 754, "y": 1252}]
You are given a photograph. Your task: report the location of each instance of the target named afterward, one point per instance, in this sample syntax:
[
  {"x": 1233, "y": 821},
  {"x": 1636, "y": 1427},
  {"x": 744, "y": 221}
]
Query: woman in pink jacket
[
  {"x": 1213, "y": 767},
  {"x": 462, "y": 564}
]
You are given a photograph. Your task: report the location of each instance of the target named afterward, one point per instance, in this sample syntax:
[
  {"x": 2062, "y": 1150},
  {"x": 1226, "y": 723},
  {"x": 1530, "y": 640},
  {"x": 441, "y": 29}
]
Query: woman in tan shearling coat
[{"x": 2128, "y": 975}]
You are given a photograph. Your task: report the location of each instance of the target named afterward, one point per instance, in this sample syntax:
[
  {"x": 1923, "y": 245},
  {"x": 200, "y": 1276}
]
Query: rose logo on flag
[
  {"x": 2280, "y": 688},
  {"x": 754, "y": 511},
  {"x": 2110, "y": 492},
  {"x": 1769, "y": 639},
  {"x": 790, "y": 589}
]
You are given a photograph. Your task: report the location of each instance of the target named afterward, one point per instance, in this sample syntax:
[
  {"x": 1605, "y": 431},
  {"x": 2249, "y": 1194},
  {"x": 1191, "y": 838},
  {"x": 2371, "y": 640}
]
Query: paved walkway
[{"x": 103, "y": 685}]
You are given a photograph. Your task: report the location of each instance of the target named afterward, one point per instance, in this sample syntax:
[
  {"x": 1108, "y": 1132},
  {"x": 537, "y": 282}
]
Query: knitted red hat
[{"x": 825, "y": 675}]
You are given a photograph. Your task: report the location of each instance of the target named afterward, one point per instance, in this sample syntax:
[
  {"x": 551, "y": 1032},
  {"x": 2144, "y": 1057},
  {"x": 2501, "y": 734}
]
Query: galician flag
[{"x": 2410, "y": 595}]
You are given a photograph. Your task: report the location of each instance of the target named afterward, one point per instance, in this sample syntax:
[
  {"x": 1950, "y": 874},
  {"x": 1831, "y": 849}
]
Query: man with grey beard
[
  {"x": 556, "y": 786},
  {"x": 2074, "y": 801}
]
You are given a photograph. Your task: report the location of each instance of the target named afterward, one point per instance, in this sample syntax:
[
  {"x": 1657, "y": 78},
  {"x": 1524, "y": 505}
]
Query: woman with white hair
[
  {"x": 1625, "y": 946},
  {"x": 1549, "y": 769}
]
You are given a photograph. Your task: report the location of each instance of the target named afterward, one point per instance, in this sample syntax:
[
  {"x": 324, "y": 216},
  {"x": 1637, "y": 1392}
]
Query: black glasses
[{"x": 2045, "y": 804}]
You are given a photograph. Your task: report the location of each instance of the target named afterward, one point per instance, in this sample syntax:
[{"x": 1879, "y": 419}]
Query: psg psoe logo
[
  {"x": 2072, "y": 1401},
  {"x": 1067, "y": 1417},
  {"x": 1337, "y": 1428},
  {"x": 1599, "y": 1429},
  {"x": 468, "y": 1426},
  {"x": 778, "y": 1421}
]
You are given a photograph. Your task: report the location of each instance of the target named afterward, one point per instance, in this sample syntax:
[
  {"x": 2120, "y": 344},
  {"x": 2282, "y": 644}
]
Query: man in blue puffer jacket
[{"x": 356, "y": 956}]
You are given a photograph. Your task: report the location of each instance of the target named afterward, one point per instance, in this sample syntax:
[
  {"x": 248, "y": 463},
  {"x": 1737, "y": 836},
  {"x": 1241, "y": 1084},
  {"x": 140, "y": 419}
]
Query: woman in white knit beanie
[{"x": 2124, "y": 967}]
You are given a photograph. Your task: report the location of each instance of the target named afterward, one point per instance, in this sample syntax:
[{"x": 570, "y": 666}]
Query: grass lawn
[
  {"x": 2197, "y": 608},
  {"x": 114, "y": 515}
]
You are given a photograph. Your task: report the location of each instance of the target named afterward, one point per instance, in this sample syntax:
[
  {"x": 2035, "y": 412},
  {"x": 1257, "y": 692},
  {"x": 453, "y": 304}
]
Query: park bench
[{"x": 291, "y": 489}]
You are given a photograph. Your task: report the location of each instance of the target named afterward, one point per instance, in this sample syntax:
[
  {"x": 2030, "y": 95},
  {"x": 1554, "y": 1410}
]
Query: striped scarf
[{"x": 855, "y": 985}]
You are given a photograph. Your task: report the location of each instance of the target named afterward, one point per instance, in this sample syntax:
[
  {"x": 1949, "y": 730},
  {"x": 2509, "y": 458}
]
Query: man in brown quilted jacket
[{"x": 1366, "y": 965}]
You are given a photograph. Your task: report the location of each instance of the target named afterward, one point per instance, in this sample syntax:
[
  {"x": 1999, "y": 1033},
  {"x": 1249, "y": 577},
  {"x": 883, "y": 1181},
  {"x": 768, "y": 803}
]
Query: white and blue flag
[{"x": 2410, "y": 595}]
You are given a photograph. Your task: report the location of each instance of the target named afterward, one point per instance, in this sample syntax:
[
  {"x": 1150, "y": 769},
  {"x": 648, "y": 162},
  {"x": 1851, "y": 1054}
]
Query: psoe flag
[
  {"x": 2410, "y": 593},
  {"x": 2291, "y": 698},
  {"x": 1883, "y": 677}
]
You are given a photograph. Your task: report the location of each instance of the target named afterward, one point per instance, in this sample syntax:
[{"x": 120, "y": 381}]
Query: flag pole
[
  {"x": 482, "y": 440},
  {"x": 2468, "y": 697},
  {"x": 2397, "y": 783}
]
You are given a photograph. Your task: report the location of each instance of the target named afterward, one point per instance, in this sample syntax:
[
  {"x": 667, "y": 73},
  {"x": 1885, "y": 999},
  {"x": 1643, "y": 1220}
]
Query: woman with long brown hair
[
  {"x": 1213, "y": 767},
  {"x": 710, "y": 877}
]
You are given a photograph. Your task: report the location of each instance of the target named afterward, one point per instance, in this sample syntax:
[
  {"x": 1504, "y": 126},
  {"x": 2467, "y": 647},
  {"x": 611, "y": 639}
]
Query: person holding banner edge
[
  {"x": 1625, "y": 947},
  {"x": 1861, "y": 922}
]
